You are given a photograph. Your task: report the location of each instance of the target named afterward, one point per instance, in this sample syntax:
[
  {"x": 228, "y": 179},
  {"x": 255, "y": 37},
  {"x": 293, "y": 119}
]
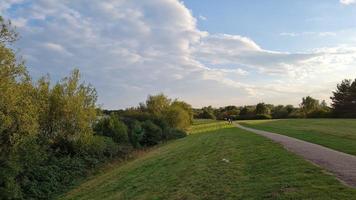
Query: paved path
[{"x": 342, "y": 165}]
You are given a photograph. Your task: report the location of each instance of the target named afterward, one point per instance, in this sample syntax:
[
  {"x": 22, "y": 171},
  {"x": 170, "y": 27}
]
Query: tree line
[
  {"x": 343, "y": 106},
  {"x": 52, "y": 134}
]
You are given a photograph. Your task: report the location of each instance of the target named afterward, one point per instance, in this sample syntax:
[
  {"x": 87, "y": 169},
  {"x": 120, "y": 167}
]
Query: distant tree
[
  {"x": 279, "y": 112},
  {"x": 290, "y": 108},
  {"x": 157, "y": 104},
  {"x": 207, "y": 113},
  {"x": 262, "y": 109},
  {"x": 344, "y": 99},
  {"x": 231, "y": 112},
  {"x": 177, "y": 117},
  {"x": 186, "y": 107},
  {"x": 248, "y": 112},
  {"x": 309, "y": 105}
]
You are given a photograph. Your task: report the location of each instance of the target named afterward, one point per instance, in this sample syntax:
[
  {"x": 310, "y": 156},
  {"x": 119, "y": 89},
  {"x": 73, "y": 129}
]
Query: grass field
[
  {"x": 216, "y": 161},
  {"x": 338, "y": 134}
]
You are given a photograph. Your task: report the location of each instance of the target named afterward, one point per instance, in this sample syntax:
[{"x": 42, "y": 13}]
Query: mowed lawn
[
  {"x": 221, "y": 162},
  {"x": 338, "y": 134}
]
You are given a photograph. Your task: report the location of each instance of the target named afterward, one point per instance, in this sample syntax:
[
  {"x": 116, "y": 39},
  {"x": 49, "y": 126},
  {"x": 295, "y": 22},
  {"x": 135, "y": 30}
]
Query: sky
[{"x": 227, "y": 52}]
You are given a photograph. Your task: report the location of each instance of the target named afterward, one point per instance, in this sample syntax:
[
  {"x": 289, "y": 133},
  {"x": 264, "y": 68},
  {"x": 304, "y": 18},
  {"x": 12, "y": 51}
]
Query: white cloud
[
  {"x": 347, "y": 2},
  {"x": 54, "y": 47},
  {"x": 202, "y": 17},
  {"x": 321, "y": 34},
  {"x": 128, "y": 49}
]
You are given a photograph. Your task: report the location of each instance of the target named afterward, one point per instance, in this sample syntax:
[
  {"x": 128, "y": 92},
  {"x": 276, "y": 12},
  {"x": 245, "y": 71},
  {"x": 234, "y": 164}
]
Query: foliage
[
  {"x": 263, "y": 116},
  {"x": 262, "y": 109},
  {"x": 112, "y": 127},
  {"x": 186, "y": 107},
  {"x": 309, "y": 105},
  {"x": 157, "y": 104},
  {"x": 344, "y": 99},
  {"x": 136, "y": 133},
  {"x": 247, "y": 112},
  {"x": 206, "y": 113},
  {"x": 18, "y": 118},
  {"x": 152, "y": 134},
  {"x": 177, "y": 117},
  {"x": 176, "y": 134}
]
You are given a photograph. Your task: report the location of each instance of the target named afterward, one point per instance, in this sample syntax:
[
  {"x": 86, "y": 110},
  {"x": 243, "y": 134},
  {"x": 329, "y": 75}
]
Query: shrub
[
  {"x": 176, "y": 134},
  {"x": 263, "y": 116},
  {"x": 320, "y": 113},
  {"x": 152, "y": 134},
  {"x": 136, "y": 133},
  {"x": 163, "y": 124},
  {"x": 177, "y": 117},
  {"x": 112, "y": 127}
]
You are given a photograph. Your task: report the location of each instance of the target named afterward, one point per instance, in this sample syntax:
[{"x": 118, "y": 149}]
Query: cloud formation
[
  {"x": 347, "y": 2},
  {"x": 129, "y": 49}
]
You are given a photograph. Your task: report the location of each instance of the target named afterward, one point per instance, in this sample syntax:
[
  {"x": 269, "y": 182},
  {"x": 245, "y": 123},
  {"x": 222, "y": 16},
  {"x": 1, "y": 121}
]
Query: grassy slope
[
  {"x": 192, "y": 168},
  {"x": 338, "y": 134}
]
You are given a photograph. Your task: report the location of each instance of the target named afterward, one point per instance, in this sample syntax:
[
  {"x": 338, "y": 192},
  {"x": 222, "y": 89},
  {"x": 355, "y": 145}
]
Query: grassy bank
[
  {"x": 217, "y": 162},
  {"x": 338, "y": 134}
]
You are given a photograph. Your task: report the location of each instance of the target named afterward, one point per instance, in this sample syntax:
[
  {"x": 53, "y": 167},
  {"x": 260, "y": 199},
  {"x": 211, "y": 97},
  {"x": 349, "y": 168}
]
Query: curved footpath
[{"x": 342, "y": 165}]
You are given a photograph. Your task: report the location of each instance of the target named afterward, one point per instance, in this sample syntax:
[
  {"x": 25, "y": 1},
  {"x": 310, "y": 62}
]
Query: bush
[
  {"x": 152, "y": 134},
  {"x": 177, "y": 117},
  {"x": 103, "y": 146},
  {"x": 321, "y": 113},
  {"x": 136, "y": 133},
  {"x": 263, "y": 116},
  {"x": 112, "y": 127},
  {"x": 163, "y": 124},
  {"x": 52, "y": 176},
  {"x": 176, "y": 134}
]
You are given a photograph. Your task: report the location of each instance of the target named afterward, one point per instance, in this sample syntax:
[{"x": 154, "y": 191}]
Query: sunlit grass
[
  {"x": 225, "y": 163},
  {"x": 210, "y": 125}
]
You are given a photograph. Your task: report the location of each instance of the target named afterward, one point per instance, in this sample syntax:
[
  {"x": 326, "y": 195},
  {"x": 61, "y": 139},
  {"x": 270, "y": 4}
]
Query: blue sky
[
  {"x": 264, "y": 21},
  {"x": 228, "y": 52}
]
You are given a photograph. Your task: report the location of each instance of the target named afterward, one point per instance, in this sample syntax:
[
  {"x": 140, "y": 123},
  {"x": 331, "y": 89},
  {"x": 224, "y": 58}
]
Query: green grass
[
  {"x": 338, "y": 134},
  {"x": 193, "y": 168}
]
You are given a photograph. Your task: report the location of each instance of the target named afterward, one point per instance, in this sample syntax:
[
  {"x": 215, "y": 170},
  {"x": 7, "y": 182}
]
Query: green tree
[
  {"x": 344, "y": 99},
  {"x": 262, "y": 109},
  {"x": 309, "y": 105},
  {"x": 247, "y": 112},
  {"x": 69, "y": 112},
  {"x": 185, "y": 106},
  {"x": 18, "y": 117},
  {"x": 177, "y": 117},
  {"x": 157, "y": 104}
]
